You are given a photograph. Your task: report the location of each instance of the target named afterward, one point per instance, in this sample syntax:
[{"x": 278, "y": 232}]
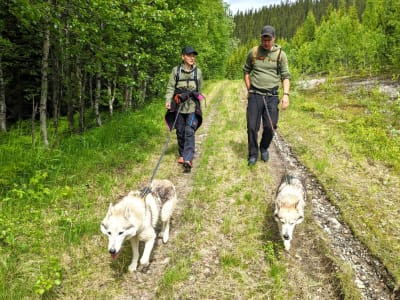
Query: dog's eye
[{"x": 121, "y": 232}]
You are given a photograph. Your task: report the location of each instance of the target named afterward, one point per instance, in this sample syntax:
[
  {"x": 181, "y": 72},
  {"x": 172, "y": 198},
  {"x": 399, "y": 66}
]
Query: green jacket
[
  {"x": 185, "y": 83},
  {"x": 262, "y": 68}
]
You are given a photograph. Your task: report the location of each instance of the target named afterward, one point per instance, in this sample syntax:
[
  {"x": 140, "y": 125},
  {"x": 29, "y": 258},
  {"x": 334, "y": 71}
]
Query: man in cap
[
  {"x": 265, "y": 68},
  {"x": 182, "y": 100}
]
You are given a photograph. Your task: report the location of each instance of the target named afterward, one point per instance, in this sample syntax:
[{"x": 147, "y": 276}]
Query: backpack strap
[
  {"x": 178, "y": 75},
  {"x": 254, "y": 52},
  {"x": 278, "y": 62}
]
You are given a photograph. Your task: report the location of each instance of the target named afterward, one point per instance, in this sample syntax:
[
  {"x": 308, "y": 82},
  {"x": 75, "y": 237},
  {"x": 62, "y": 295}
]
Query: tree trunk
[
  {"x": 3, "y": 107},
  {"x": 33, "y": 117},
  {"x": 68, "y": 81},
  {"x": 111, "y": 96},
  {"x": 55, "y": 78},
  {"x": 91, "y": 100},
  {"x": 144, "y": 90},
  {"x": 44, "y": 87},
  {"x": 80, "y": 97},
  {"x": 127, "y": 97},
  {"x": 97, "y": 99}
]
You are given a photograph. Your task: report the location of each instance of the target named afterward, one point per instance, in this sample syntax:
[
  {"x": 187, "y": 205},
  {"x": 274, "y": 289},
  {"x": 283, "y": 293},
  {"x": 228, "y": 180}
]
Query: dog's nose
[
  {"x": 286, "y": 236},
  {"x": 112, "y": 251}
]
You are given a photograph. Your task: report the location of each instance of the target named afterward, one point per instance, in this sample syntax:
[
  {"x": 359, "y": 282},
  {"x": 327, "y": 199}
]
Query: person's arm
[
  {"x": 247, "y": 68},
  {"x": 170, "y": 89},
  {"x": 285, "y": 97},
  {"x": 247, "y": 81}
]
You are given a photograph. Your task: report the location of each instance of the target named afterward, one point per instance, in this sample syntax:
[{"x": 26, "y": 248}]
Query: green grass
[
  {"x": 52, "y": 200},
  {"x": 231, "y": 209},
  {"x": 350, "y": 141},
  {"x": 50, "y": 196}
]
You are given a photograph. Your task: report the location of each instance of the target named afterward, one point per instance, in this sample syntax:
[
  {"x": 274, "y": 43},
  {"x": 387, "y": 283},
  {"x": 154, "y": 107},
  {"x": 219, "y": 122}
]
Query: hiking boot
[
  {"x": 180, "y": 160},
  {"x": 187, "y": 166},
  {"x": 265, "y": 156},
  {"x": 252, "y": 161}
]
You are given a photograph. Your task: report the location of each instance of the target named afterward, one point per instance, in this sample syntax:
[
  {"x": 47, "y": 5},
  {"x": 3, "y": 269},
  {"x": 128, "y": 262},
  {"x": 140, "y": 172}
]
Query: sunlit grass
[
  {"x": 49, "y": 195},
  {"x": 347, "y": 140}
]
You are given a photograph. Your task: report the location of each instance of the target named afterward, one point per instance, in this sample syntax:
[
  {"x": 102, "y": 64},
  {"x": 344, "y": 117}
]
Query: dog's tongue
[{"x": 115, "y": 255}]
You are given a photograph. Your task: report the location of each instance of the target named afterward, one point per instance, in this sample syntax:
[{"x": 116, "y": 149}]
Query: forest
[
  {"x": 81, "y": 59},
  {"x": 59, "y": 58}
]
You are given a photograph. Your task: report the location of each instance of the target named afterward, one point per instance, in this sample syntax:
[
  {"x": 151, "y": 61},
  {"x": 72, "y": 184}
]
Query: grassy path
[
  {"x": 227, "y": 245},
  {"x": 224, "y": 242}
]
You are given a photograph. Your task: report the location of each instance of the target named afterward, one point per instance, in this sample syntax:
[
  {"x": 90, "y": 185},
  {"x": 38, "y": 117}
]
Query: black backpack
[{"x": 178, "y": 74}]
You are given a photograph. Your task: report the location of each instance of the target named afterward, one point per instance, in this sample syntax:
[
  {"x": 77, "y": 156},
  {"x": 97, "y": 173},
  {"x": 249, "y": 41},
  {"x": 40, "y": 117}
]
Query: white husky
[
  {"x": 135, "y": 218},
  {"x": 289, "y": 207}
]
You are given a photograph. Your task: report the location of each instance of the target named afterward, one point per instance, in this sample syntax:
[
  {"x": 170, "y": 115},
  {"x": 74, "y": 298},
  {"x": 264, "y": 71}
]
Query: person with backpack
[
  {"x": 265, "y": 68},
  {"x": 182, "y": 101}
]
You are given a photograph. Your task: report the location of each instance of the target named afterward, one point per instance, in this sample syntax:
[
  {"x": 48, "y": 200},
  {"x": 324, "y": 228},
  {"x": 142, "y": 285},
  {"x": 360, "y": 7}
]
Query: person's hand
[
  {"x": 168, "y": 105},
  {"x": 285, "y": 101}
]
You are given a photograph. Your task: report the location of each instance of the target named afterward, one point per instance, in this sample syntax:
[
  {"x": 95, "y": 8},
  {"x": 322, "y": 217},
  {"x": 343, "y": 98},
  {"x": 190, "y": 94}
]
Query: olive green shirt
[
  {"x": 263, "y": 72},
  {"x": 188, "y": 106}
]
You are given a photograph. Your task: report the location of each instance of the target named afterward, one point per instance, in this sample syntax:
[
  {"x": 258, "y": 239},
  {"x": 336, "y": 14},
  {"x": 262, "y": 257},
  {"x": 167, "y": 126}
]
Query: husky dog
[
  {"x": 135, "y": 218},
  {"x": 289, "y": 207}
]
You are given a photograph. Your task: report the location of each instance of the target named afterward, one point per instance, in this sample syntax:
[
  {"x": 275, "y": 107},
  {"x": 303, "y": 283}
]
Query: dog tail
[
  {"x": 168, "y": 207},
  {"x": 154, "y": 210}
]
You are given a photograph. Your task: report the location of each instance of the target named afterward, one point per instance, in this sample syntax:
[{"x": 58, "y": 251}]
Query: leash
[
  {"x": 274, "y": 135},
  {"x": 269, "y": 115},
  {"x": 147, "y": 189}
]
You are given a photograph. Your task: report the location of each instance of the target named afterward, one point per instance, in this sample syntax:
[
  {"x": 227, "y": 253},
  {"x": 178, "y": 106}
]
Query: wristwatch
[{"x": 287, "y": 94}]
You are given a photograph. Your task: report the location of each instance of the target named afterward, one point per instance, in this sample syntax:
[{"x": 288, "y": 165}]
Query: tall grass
[{"x": 48, "y": 195}]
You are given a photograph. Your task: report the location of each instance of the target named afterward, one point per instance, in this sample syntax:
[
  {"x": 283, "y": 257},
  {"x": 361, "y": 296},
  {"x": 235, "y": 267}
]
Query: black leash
[
  {"x": 274, "y": 137},
  {"x": 269, "y": 115},
  {"x": 147, "y": 189}
]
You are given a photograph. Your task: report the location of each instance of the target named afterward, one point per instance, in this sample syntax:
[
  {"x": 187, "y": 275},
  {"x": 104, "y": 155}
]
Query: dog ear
[
  {"x": 103, "y": 229},
  {"x": 110, "y": 209},
  {"x": 300, "y": 219}
]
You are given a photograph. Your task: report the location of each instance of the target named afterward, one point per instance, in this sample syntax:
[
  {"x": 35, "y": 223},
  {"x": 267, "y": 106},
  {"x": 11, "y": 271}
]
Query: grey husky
[
  {"x": 289, "y": 207},
  {"x": 135, "y": 218}
]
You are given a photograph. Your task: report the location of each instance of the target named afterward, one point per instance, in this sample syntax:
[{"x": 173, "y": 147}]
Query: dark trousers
[
  {"x": 255, "y": 112},
  {"x": 186, "y": 125}
]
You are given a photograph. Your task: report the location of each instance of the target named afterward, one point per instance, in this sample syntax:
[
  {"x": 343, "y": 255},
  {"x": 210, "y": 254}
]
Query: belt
[{"x": 268, "y": 92}]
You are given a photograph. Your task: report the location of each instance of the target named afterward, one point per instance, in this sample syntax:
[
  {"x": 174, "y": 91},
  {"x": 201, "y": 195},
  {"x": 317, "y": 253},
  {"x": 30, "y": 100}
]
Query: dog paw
[
  {"x": 165, "y": 237},
  {"x": 132, "y": 268},
  {"x": 144, "y": 262}
]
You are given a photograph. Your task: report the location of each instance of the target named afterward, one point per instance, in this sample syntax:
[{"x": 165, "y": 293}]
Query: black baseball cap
[
  {"x": 268, "y": 31},
  {"x": 188, "y": 50}
]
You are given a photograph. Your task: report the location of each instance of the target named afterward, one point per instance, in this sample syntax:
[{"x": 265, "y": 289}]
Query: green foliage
[
  {"x": 391, "y": 26},
  {"x": 130, "y": 46},
  {"x": 50, "y": 277},
  {"x": 46, "y": 200},
  {"x": 175, "y": 274}
]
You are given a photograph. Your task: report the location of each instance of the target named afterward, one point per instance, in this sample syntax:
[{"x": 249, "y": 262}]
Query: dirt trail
[
  {"x": 307, "y": 263},
  {"x": 371, "y": 277}
]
